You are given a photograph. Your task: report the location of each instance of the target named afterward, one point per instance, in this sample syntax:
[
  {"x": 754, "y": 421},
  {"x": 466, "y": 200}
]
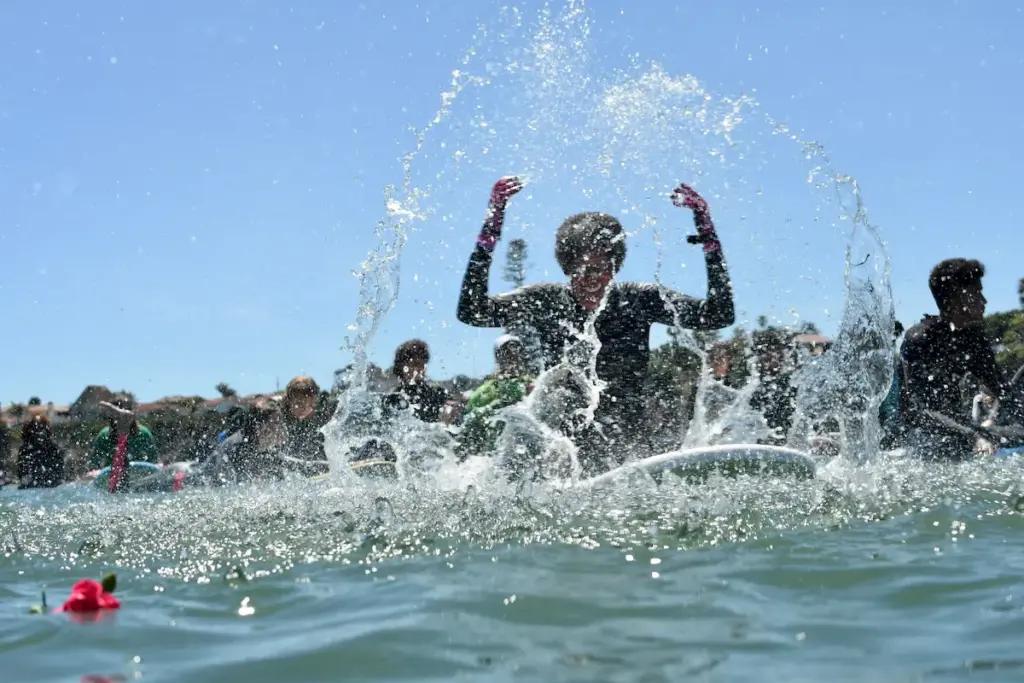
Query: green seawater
[{"x": 894, "y": 572}]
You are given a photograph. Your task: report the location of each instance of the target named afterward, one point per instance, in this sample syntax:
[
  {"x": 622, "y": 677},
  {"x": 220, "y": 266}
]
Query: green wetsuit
[
  {"x": 479, "y": 431},
  {"x": 141, "y": 447}
]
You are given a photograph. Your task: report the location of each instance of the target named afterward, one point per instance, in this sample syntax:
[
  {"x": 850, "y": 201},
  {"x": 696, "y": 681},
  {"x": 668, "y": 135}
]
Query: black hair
[
  {"x": 414, "y": 349},
  {"x": 951, "y": 276},
  {"x": 589, "y": 231}
]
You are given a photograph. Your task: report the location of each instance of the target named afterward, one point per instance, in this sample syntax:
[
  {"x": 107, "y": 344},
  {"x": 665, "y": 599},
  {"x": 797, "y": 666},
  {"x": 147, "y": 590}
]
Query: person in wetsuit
[
  {"x": 306, "y": 411},
  {"x": 5, "y": 448},
  {"x": 590, "y": 248},
  {"x": 247, "y": 454},
  {"x": 775, "y": 395},
  {"x": 40, "y": 459},
  {"x": 940, "y": 353},
  {"x": 140, "y": 444},
  {"x": 426, "y": 400},
  {"x": 509, "y": 384}
]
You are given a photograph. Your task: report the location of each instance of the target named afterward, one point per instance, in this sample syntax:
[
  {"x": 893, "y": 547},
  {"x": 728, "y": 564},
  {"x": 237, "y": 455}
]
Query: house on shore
[
  {"x": 14, "y": 415},
  {"x": 815, "y": 344}
]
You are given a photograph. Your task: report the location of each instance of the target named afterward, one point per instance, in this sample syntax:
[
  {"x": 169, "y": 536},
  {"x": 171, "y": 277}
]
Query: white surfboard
[
  {"x": 1003, "y": 453},
  {"x": 688, "y": 463},
  {"x": 372, "y": 467},
  {"x": 727, "y": 459}
]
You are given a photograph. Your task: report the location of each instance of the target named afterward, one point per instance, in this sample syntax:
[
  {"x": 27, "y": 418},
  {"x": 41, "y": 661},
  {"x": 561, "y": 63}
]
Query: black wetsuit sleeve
[
  {"x": 668, "y": 307},
  {"x": 476, "y": 307}
]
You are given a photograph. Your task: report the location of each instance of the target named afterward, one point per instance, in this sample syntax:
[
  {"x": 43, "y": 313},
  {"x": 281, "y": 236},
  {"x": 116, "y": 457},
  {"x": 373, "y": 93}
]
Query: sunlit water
[
  {"x": 907, "y": 574},
  {"x": 883, "y": 570}
]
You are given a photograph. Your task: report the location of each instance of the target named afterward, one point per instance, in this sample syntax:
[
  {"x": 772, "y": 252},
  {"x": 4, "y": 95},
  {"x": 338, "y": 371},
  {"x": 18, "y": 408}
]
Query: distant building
[{"x": 814, "y": 343}]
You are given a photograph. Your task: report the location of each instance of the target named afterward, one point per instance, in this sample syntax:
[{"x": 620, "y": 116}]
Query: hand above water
[
  {"x": 685, "y": 196},
  {"x": 502, "y": 191}
]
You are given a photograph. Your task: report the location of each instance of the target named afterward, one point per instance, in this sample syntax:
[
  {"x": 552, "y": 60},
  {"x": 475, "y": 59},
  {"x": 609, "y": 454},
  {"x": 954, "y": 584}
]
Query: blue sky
[{"x": 186, "y": 189}]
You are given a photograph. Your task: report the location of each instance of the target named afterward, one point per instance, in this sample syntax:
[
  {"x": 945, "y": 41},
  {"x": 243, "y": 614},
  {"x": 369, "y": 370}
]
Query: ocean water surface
[{"x": 893, "y": 572}]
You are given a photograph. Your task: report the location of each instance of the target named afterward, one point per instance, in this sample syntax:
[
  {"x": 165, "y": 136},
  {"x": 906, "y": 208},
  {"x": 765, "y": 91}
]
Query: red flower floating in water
[{"x": 88, "y": 596}]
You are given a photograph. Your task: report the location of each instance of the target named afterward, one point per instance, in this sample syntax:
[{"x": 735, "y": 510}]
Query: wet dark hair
[
  {"x": 412, "y": 350},
  {"x": 952, "y": 276},
  {"x": 37, "y": 429},
  {"x": 589, "y": 231},
  {"x": 302, "y": 386}
]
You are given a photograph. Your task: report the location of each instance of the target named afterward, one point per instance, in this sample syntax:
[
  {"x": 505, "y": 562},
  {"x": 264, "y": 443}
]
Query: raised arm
[
  {"x": 476, "y": 307},
  {"x": 716, "y": 310}
]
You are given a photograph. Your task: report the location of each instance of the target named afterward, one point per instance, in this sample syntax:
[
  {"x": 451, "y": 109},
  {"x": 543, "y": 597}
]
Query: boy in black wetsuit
[
  {"x": 775, "y": 395},
  {"x": 590, "y": 248},
  {"x": 938, "y": 354},
  {"x": 427, "y": 401}
]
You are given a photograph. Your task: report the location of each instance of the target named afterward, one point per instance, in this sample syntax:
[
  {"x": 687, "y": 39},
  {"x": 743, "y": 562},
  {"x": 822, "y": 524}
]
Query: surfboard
[
  {"x": 1008, "y": 452},
  {"x": 135, "y": 469},
  {"x": 692, "y": 464},
  {"x": 697, "y": 464},
  {"x": 372, "y": 467}
]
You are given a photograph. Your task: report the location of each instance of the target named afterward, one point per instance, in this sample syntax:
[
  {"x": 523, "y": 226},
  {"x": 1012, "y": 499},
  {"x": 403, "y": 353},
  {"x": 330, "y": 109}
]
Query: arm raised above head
[
  {"x": 717, "y": 310},
  {"x": 476, "y": 307}
]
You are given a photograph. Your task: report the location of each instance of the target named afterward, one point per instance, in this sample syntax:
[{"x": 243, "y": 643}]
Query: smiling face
[
  {"x": 590, "y": 279},
  {"x": 301, "y": 406}
]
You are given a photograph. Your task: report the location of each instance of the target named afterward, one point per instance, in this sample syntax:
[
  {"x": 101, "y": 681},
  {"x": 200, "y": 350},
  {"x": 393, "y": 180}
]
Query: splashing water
[{"x": 528, "y": 98}]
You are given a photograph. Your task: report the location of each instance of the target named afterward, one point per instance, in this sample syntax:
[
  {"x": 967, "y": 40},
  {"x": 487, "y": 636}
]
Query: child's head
[
  {"x": 411, "y": 360},
  {"x": 590, "y": 247},
  {"x": 301, "y": 396}
]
